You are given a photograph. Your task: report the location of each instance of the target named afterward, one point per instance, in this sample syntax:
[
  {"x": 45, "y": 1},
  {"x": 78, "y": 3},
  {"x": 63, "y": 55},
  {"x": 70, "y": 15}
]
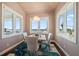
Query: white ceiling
[{"x": 35, "y": 7}]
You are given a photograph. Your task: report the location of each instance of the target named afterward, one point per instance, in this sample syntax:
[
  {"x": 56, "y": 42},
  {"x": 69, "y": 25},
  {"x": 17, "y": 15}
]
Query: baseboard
[{"x": 62, "y": 49}]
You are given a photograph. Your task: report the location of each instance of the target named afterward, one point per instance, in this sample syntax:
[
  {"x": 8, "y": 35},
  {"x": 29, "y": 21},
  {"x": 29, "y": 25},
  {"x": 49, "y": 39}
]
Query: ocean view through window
[
  {"x": 12, "y": 23},
  {"x": 39, "y": 26}
]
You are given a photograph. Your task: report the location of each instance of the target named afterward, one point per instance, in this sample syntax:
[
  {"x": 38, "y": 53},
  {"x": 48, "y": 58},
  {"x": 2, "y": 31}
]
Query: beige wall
[
  {"x": 69, "y": 47},
  {"x": 51, "y": 21}
]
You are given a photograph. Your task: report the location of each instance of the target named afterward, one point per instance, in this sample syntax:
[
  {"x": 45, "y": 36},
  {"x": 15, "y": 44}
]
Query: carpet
[{"x": 44, "y": 50}]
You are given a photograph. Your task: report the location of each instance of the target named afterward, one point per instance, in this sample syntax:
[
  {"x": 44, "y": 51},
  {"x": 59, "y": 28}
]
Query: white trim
[
  {"x": 1, "y": 53},
  {"x": 14, "y": 34},
  {"x": 62, "y": 49}
]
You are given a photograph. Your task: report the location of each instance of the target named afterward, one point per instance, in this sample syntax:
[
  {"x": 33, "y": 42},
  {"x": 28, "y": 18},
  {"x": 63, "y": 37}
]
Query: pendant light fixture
[{"x": 37, "y": 18}]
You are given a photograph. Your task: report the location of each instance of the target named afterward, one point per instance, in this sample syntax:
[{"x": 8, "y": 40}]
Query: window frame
[
  {"x": 67, "y": 10},
  {"x": 20, "y": 23},
  {"x": 13, "y": 22},
  {"x": 64, "y": 34},
  {"x": 5, "y": 20},
  {"x": 38, "y": 24}
]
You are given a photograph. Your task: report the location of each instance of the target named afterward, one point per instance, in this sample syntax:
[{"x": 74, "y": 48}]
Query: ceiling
[{"x": 35, "y": 7}]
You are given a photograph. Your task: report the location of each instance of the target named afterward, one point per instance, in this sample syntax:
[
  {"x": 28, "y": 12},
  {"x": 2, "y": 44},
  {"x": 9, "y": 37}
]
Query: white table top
[{"x": 42, "y": 37}]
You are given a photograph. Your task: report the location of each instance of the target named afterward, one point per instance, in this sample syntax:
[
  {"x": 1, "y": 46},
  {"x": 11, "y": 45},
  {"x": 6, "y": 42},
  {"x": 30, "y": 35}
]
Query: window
[
  {"x": 61, "y": 24},
  {"x": 12, "y": 22},
  {"x": 8, "y": 18},
  {"x": 66, "y": 22},
  {"x": 34, "y": 25},
  {"x": 41, "y": 25},
  {"x": 18, "y": 24},
  {"x": 70, "y": 20}
]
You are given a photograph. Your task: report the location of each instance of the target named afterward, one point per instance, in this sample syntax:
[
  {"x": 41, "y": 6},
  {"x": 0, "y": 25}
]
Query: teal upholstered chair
[{"x": 47, "y": 41}]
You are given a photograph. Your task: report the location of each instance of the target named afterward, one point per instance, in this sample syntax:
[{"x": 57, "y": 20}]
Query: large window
[
  {"x": 11, "y": 22},
  {"x": 66, "y": 22},
  {"x": 39, "y": 26},
  {"x": 61, "y": 23},
  {"x": 43, "y": 24},
  {"x": 18, "y": 24},
  {"x": 8, "y": 19},
  {"x": 34, "y": 26},
  {"x": 70, "y": 20}
]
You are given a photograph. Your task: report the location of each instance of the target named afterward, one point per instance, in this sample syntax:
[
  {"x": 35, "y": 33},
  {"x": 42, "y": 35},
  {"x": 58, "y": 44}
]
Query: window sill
[
  {"x": 8, "y": 36},
  {"x": 68, "y": 37}
]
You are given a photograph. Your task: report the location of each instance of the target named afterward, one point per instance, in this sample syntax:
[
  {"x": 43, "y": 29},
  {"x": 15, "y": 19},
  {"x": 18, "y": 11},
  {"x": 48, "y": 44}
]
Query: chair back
[
  {"x": 24, "y": 35},
  {"x": 32, "y": 44},
  {"x": 49, "y": 36}
]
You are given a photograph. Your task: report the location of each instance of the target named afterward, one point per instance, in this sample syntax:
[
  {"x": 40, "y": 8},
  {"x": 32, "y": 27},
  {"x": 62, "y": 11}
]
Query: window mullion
[
  {"x": 38, "y": 26},
  {"x": 14, "y": 18},
  {"x": 65, "y": 22}
]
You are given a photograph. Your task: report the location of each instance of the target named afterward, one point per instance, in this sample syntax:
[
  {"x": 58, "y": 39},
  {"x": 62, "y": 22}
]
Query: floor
[{"x": 52, "y": 49}]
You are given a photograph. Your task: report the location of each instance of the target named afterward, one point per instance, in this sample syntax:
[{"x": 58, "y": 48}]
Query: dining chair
[
  {"x": 47, "y": 41},
  {"x": 48, "y": 38},
  {"x": 24, "y": 35},
  {"x": 32, "y": 43}
]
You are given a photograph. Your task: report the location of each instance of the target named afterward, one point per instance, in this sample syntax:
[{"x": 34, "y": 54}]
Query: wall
[
  {"x": 0, "y": 19},
  {"x": 69, "y": 47},
  {"x": 51, "y": 21},
  {"x": 8, "y": 42}
]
